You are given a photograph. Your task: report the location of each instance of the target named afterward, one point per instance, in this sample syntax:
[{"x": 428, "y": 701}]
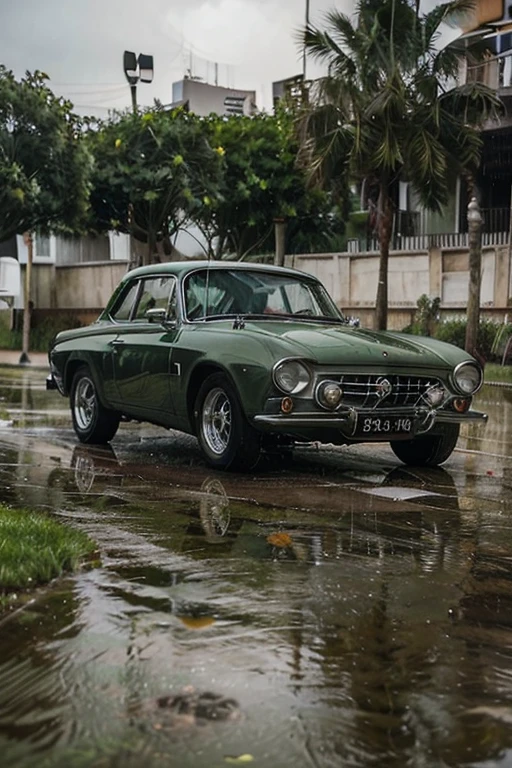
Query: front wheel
[
  {"x": 226, "y": 438},
  {"x": 92, "y": 422},
  {"x": 430, "y": 450}
]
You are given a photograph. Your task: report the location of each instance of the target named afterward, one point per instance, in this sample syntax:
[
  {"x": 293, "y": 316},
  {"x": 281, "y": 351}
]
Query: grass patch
[
  {"x": 494, "y": 372},
  {"x": 34, "y": 549}
]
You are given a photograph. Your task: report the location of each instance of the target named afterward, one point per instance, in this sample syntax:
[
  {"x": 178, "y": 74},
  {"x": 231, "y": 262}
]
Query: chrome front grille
[{"x": 385, "y": 391}]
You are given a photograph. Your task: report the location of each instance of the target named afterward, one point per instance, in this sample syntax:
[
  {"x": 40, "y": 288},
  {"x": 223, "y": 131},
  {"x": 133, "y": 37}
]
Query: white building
[{"x": 204, "y": 99}]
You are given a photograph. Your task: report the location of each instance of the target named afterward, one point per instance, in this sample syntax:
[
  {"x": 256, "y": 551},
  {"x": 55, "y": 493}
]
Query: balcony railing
[{"x": 408, "y": 234}]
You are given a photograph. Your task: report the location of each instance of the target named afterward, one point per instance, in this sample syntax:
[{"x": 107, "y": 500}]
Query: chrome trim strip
[
  {"x": 311, "y": 420},
  {"x": 460, "y": 418}
]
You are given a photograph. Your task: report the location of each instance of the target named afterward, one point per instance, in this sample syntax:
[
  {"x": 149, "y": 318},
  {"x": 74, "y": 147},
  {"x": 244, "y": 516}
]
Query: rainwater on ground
[{"x": 342, "y": 610}]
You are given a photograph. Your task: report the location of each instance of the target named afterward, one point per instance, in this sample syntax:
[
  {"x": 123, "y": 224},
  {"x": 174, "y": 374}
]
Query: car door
[{"x": 141, "y": 351}]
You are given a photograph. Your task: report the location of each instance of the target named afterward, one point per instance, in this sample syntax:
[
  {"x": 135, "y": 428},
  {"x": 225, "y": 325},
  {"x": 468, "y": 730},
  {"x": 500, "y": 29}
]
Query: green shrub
[
  {"x": 41, "y": 333},
  {"x": 491, "y": 338},
  {"x": 454, "y": 332},
  {"x": 500, "y": 342},
  {"x": 426, "y": 318}
]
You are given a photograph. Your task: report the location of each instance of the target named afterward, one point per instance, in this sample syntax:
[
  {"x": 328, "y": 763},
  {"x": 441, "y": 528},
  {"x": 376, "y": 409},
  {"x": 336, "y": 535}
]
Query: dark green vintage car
[{"x": 253, "y": 359}]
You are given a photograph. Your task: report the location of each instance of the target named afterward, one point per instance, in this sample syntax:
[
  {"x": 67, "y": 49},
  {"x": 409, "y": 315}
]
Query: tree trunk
[
  {"x": 475, "y": 277},
  {"x": 385, "y": 226},
  {"x": 280, "y": 241},
  {"x": 24, "y": 358},
  {"x": 150, "y": 250}
]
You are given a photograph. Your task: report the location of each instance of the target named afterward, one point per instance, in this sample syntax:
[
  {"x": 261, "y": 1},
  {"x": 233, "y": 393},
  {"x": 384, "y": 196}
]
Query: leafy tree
[
  {"x": 261, "y": 183},
  {"x": 44, "y": 165},
  {"x": 387, "y": 109},
  {"x": 151, "y": 171}
]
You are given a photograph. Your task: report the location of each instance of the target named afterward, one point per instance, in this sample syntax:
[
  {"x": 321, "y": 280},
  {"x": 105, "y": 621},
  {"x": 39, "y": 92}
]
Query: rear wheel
[
  {"x": 92, "y": 422},
  {"x": 226, "y": 438},
  {"x": 430, "y": 450}
]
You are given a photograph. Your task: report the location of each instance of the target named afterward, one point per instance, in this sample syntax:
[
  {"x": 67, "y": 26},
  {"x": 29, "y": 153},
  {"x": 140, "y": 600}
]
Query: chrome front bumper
[{"x": 349, "y": 418}]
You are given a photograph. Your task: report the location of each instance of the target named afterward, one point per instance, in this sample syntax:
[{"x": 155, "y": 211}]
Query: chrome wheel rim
[
  {"x": 84, "y": 403},
  {"x": 216, "y": 420}
]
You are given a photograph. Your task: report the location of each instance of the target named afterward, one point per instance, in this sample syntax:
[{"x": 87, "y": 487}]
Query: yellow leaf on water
[
  {"x": 279, "y": 540},
  {"x": 246, "y": 758},
  {"x": 197, "y": 622}
]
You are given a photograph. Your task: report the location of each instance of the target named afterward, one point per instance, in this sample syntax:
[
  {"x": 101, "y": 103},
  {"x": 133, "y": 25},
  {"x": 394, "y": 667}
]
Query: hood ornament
[{"x": 383, "y": 388}]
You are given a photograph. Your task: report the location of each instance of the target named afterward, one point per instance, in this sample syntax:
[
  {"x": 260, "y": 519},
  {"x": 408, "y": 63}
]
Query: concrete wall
[
  {"x": 351, "y": 279},
  {"x": 75, "y": 287}
]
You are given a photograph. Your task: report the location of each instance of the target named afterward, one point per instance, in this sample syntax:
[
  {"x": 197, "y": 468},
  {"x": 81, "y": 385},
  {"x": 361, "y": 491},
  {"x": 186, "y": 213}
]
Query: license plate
[{"x": 382, "y": 426}]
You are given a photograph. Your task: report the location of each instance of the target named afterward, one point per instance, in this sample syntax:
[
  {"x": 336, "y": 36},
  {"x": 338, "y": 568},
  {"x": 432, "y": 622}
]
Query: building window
[{"x": 41, "y": 246}]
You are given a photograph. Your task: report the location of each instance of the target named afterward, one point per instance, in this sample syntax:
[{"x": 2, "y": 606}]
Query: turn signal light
[
  {"x": 287, "y": 405},
  {"x": 460, "y": 405}
]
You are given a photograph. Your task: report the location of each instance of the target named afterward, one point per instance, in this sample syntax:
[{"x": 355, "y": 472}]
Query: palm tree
[{"x": 388, "y": 109}]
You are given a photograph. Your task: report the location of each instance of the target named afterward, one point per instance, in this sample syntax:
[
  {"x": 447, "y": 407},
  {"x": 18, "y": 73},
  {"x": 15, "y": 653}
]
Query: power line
[{"x": 87, "y": 85}]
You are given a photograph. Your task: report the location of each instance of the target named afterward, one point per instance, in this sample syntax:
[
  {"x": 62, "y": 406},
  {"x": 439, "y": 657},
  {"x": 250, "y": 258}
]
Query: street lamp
[
  {"x": 475, "y": 262},
  {"x": 137, "y": 68}
]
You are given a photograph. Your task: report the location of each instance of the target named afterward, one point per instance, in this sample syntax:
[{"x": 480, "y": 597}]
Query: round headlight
[
  {"x": 468, "y": 378},
  {"x": 291, "y": 376}
]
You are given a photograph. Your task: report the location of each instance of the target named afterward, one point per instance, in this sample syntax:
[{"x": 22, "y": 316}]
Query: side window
[
  {"x": 195, "y": 295},
  {"x": 155, "y": 294},
  {"x": 123, "y": 310}
]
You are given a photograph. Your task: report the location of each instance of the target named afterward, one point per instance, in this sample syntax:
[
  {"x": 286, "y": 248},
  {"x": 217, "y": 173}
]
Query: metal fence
[{"x": 409, "y": 237}]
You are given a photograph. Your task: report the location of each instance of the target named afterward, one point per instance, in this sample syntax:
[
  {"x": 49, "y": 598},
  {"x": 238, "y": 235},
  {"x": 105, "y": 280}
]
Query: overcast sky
[{"x": 80, "y": 44}]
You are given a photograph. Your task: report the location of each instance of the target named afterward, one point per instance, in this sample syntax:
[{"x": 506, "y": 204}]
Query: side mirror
[
  {"x": 160, "y": 316},
  {"x": 156, "y": 315}
]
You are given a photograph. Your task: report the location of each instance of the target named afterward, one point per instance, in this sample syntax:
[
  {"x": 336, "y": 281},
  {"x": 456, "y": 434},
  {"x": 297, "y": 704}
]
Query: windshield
[{"x": 221, "y": 292}]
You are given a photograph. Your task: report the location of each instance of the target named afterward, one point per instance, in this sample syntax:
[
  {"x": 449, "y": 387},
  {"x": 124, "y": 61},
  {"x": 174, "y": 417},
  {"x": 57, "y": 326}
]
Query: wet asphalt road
[{"x": 343, "y": 610}]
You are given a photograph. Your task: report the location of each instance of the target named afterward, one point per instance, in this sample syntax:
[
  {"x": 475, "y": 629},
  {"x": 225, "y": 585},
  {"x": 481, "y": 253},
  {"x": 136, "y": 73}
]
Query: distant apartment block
[
  {"x": 204, "y": 99},
  {"x": 291, "y": 91}
]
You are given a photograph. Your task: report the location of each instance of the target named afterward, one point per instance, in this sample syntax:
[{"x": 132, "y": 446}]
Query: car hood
[{"x": 334, "y": 344}]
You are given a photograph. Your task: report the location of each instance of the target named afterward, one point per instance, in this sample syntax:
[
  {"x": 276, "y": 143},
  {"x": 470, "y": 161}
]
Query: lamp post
[
  {"x": 475, "y": 261},
  {"x": 137, "y": 68}
]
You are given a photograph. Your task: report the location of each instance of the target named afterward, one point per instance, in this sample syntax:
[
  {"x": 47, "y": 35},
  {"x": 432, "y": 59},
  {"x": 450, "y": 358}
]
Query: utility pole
[
  {"x": 304, "y": 55},
  {"x": 475, "y": 276},
  {"x": 25, "y": 344}
]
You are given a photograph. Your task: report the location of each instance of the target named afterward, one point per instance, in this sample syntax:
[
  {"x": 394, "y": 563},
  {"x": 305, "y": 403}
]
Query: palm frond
[
  {"x": 473, "y": 103},
  {"x": 453, "y": 13},
  {"x": 343, "y": 30}
]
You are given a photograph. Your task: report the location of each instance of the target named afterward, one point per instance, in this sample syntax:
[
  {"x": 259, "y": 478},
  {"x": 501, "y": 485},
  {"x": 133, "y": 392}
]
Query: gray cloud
[{"x": 79, "y": 43}]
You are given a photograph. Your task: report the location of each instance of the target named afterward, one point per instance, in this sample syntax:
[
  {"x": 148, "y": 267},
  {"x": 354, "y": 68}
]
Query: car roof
[{"x": 180, "y": 268}]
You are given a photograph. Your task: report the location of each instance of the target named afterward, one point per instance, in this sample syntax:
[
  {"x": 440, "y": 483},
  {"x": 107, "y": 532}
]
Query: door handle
[{"x": 115, "y": 343}]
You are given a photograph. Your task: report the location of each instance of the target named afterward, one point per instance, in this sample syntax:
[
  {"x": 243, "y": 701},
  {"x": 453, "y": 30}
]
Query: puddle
[{"x": 343, "y": 611}]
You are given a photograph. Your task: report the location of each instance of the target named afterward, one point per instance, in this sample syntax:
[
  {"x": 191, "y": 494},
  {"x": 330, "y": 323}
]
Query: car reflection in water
[{"x": 221, "y": 510}]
